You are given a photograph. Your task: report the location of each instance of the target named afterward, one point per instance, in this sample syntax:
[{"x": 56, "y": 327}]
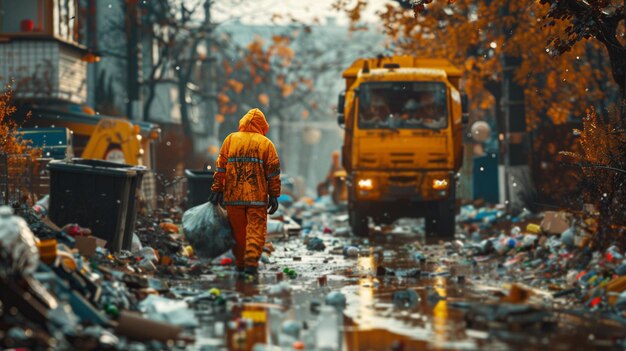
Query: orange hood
[{"x": 254, "y": 122}]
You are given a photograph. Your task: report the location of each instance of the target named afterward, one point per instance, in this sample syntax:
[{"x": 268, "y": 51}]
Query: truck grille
[
  {"x": 368, "y": 160},
  {"x": 402, "y": 179},
  {"x": 401, "y": 158},
  {"x": 437, "y": 157}
]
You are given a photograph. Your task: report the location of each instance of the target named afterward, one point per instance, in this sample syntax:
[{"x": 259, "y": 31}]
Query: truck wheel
[
  {"x": 441, "y": 220},
  {"x": 358, "y": 222}
]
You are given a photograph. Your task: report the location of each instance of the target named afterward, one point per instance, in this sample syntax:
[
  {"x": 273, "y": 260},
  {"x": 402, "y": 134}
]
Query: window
[
  {"x": 403, "y": 105},
  {"x": 48, "y": 17},
  {"x": 23, "y": 16}
]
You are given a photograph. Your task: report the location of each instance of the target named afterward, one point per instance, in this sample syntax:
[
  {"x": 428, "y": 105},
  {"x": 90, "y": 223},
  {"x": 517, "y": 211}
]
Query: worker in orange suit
[{"x": 247, "y": 182}]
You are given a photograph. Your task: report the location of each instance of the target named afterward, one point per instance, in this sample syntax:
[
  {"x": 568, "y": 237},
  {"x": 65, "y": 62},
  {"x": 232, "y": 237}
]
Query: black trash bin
[
  {"x": 96, "y": 194},
  {"x": 198, "y": 186}
]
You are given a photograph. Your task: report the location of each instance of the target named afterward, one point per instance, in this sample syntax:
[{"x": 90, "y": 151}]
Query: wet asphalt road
[{"x": 380, "y": 314}]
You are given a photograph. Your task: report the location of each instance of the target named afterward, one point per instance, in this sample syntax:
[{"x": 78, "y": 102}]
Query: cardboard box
[{"x": 555, "y": 222}]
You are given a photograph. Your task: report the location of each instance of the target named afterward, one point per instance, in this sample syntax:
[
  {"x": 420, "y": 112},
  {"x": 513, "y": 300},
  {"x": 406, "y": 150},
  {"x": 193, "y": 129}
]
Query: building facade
[{"x": 41, "y": 53}]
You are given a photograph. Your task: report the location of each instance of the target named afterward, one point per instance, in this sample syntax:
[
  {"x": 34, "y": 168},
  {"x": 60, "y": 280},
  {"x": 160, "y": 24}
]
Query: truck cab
[{"x": 403, "y": 119}]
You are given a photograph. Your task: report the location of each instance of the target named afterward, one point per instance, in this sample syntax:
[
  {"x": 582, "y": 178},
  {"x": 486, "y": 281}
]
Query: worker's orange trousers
[{"x": 249, "y": 224}]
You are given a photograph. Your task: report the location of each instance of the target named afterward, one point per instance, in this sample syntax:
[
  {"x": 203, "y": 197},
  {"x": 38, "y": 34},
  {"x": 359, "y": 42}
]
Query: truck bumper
[{"x": 401, "y": 187}]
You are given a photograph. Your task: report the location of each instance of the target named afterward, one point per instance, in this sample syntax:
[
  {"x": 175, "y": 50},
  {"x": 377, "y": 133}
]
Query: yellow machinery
[
  {"x": 403, "y": 120},
  {"x": 96, "y": 136},
  {"x": 67, "y": 131},
  {"x": 118, "y": 140}
]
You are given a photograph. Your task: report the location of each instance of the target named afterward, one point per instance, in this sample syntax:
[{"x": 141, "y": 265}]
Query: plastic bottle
[
  {"x": 41, "y": 207},
  {"x": 351, "y": 251},
  {"x": 327, "y": 333}
]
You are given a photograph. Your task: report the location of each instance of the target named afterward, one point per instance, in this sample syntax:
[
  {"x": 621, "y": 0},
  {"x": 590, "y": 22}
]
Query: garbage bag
[
  {"x": 207, "y": 228},
  {"x": 18, "y": 245}
]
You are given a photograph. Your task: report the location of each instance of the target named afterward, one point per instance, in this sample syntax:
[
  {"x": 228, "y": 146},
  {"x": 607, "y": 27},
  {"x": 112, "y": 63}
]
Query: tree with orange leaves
[
  {"x": 279, "y": 74},
  {"x": 469, "y": 34},
  {"x": 13, "y": 149},
  {"x": 603, "y": 20}
]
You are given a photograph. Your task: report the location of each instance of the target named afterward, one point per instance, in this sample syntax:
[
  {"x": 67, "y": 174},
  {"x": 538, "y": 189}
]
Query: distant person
[
  {"x": 323, "y": 188},
  {"x": 247, "y": 182},
  {"x": 430, "y": 111},
  {"x": 409, "y": 113},
  {"x": 376, "y": 109}
]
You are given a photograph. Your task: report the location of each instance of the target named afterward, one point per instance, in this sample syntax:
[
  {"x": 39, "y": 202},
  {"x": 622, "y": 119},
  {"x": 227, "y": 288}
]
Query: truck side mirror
[
  {"x": 341, "y": 103},
  {"x": 464, "y": 108}
]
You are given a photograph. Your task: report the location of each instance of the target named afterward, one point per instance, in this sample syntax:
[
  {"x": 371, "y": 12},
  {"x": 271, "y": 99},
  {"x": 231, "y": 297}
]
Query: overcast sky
[{"x": 261, "y": 11}]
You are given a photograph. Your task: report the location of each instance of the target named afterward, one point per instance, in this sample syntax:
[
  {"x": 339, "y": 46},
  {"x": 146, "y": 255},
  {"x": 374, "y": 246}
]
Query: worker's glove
[
  {"x": 272, "y": 205},
  {"x": 216, "y": 198}
]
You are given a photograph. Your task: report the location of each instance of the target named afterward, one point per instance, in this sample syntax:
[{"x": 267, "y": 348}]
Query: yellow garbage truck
[{"x": 403, "y": 119}]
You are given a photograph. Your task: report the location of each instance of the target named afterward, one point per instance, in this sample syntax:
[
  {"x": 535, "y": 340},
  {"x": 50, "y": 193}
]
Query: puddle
[{"x": 380, "y": 313}]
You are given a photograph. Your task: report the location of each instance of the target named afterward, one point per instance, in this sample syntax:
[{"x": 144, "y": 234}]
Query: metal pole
[
  {"x": 209, "y": 72},
  {"x": 132, "y": 58},
  {"x": 516, "y": 144},
  {"x": 504, "y": 11},
  {"x": 623, "y": 114}
]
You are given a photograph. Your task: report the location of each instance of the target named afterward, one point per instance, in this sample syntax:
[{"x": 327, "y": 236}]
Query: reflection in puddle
[
  {"x": 385, "y": 312},
  {"x": 440, "y": 312},
  {"x": 366, "y": 292}
]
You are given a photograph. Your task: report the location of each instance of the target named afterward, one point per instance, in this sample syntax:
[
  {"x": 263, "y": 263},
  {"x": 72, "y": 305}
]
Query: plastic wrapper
[
  {"x": 275, "y": 227},
  {"x": 166, "y": 310},
  {"x": 207, "y": 228},
  {"x": 18, "y": 245}
]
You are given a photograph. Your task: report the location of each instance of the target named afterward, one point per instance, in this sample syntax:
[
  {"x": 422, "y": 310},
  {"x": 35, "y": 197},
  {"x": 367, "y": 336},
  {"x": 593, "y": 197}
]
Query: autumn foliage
[
  {"x": 10, "y": 141},
  {"x": 602, "y": 20},
  {"x": 603, "y": 164},
  {"x": 266, "y": 74},
  {"x": 471, "y": 34},
  {"x": 16, "y": 154}
]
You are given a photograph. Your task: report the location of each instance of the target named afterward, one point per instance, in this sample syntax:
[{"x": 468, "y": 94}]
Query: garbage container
[
  {"x": 96, "y": 194},
  {"x": 198, "y": 186}
]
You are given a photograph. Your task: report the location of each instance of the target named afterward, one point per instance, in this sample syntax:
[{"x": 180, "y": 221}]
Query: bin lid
[
  {"x": 191, "y": 173},
  {"x": 78, "y": 165},
  {"x": 107, "y": 164}
]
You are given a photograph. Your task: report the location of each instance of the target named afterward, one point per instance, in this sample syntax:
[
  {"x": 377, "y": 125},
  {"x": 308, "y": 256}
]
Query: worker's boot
[
  {"x": 251, "y": 274},
  {"x": 239, "y": 273}
]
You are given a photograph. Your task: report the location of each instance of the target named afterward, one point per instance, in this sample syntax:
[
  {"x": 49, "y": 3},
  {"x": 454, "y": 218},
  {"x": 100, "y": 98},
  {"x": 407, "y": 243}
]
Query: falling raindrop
[{"x": 482, "y": 169}]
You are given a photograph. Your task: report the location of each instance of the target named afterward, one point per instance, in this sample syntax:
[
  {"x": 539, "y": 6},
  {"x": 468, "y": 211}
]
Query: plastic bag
[
  {"x": 207, "y": 228},
  {"x": 18, "y": 245}
]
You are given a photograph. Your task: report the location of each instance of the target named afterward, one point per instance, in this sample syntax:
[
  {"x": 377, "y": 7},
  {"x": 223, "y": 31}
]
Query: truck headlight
[
  {"x": 365, "y": 184},
  {"x": 440, "y": 184}
]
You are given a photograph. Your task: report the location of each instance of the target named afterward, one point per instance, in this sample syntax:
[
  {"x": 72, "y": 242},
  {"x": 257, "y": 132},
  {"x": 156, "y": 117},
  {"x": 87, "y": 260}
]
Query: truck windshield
[{"x": 403, "y": 105}]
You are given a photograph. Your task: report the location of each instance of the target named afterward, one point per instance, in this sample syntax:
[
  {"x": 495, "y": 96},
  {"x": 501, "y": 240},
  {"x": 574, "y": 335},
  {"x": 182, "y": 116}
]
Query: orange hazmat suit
[{"x": 247, "y": 172}]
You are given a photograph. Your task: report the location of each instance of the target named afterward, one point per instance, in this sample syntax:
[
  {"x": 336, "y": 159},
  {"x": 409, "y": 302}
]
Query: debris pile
[
  {"x": 63, "y": 289},
  {"x": 556, "y": 256}
]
